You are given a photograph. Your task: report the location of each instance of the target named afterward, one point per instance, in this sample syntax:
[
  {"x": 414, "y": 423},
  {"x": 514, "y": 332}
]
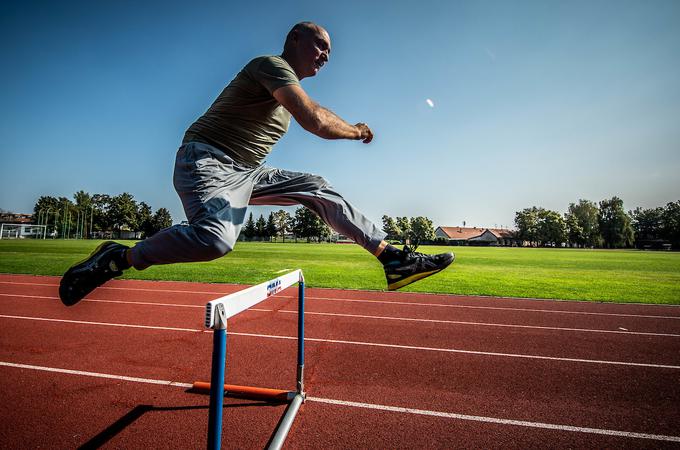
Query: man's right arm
[{"x": 316, "y": 119}]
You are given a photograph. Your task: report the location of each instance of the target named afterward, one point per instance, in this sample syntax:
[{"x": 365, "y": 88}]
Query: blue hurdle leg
[
  {"x": 301, "y": 337},
  {"x": 217, "y": 389}
]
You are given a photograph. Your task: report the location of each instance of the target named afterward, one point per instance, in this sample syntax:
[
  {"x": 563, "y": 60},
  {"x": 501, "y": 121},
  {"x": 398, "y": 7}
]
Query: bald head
[
  {"x": 299, "y": 30},
  {"x": 307, "y": 48}
]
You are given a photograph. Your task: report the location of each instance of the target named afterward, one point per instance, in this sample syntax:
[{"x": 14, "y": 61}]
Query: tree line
[
  {"x": 303, "y": 224},
  {"x": 413, "y": 231},
  {"x": 91, "y": 214},
  {"x": 603, "y": 225}
]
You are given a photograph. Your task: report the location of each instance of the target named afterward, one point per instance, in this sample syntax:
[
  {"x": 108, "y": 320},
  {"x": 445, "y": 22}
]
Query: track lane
[
  {"x": 515, "y": 340},
  {"x": 651, "y": 318}
]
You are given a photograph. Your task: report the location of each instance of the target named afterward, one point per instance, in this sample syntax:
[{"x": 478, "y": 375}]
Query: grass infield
[{"x": 568, "y": 274}]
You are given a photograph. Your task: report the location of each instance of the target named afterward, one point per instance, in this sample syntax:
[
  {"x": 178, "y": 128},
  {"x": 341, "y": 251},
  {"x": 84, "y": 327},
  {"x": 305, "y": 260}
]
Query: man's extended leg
[{"x": 285, "y": 188}]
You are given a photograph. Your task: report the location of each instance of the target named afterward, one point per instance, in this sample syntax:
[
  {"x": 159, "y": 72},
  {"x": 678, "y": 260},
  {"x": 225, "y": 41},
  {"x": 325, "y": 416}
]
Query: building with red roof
[{"x": 478, "y": 236}]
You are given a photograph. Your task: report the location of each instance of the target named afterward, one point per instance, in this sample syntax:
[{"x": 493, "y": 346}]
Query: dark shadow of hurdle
[{"x": 138, "y": 411}]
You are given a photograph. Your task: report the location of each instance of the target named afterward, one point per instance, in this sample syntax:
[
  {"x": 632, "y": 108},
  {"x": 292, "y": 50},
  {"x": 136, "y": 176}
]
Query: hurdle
[{"x": 216, "y": 314}]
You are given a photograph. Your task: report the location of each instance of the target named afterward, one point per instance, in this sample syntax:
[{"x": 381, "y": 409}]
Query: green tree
[
  {"x": 270, "y": 228},
  {"x": 46, "y": 211},
  {"x": 526, "y": 222},
  {"x": 390, "y": 227},
  {"x": 283, "y": 223},
  {"x": 421, "y": 230},
  {"x": 123, "y": 212},
  {"x": 615, "y": 224},
  {"x": 82, "y": 199},
  {"x": 308, "y": 225},
  {"x": 145, "y": 220},
  {"x": 65, "y": 220},
  {"x": 249, "y": 229},
  {"x": 404, "y": 225},
  {"x": 303, "y": 223},
  {"x": 647, "y": 223},
  {"x": 552, "y": 229},
  {"x": 160, "y": 220},
  {"x": 100, "y": 218},
  {"x": 575, "y": 233},
  {"x": 583, "y": 224},
  {"x": 260, "y": 227},
  {"x": 670, "y": 223},
  {"x": 323, "y": 231}
]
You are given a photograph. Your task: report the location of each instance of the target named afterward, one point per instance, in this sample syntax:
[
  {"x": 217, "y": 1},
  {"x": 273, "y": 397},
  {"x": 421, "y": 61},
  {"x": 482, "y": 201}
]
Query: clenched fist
[{"x": 366, "y": 133}]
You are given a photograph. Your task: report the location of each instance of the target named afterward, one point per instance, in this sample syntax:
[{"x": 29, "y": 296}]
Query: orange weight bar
[{"x": 233, "y": 390}]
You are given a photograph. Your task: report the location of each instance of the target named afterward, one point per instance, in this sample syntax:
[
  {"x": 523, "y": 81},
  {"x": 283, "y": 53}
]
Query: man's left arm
[{"x": 319, "y": 120}]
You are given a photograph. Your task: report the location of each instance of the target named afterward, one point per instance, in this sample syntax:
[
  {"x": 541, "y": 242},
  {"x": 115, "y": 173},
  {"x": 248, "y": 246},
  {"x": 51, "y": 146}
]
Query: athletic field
[{"x": 570, "y": 274}]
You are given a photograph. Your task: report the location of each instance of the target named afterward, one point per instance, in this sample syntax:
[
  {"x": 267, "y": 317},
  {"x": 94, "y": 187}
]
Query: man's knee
[
  {"x": 318, "y": 182},
  {"x": 213, "y": 245}
]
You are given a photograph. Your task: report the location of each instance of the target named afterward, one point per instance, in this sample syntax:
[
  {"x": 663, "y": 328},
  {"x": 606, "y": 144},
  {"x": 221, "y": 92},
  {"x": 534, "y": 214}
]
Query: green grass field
[{"x": 569, "y": 274}]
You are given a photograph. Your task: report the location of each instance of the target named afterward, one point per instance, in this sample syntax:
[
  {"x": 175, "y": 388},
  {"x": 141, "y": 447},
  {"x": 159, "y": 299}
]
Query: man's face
[{"x": 312, "y": 51}]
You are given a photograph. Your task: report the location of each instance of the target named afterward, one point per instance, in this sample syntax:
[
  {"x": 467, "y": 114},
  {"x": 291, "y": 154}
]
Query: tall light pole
[
  {"x": 91, "y": 217},
  {"x": 56, "y": 216},
  {"x": 46, "y": 218}
]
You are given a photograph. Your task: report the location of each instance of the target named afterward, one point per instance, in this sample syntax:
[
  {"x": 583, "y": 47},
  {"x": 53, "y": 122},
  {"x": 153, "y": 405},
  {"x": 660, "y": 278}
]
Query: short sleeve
[{"x": 274, "y": 72}]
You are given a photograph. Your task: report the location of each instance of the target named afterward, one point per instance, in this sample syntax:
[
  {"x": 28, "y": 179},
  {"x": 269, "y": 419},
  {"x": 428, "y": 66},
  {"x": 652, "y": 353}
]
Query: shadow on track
[{"x": 138, "y": 411}]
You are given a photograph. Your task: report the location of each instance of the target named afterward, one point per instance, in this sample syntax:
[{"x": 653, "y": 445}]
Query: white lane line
[
  {"x": 494, "y": 308},
  {"x": 456, "y": 322},
  {"x": 521, "y": 423},
  {"x": 108, "y": 301},
  {"x": 370, "y": 344},
  {"x": 396, "y": 409},
  {"x": 365, "y": 316},
  {"x": 468, "y": 352},
  {"x": 443, "y": 305},
  {"x": 96, "y": 374},
  {"x": 169, "y": 291},
  {"x": 83, "y": 322}
]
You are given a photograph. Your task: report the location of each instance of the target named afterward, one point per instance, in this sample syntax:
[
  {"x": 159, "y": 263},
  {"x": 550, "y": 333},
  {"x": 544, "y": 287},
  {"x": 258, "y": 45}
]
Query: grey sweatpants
[{"x": 215, "y": 193}]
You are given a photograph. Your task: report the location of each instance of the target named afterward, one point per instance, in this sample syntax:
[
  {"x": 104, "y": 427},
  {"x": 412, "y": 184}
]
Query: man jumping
[{"x": 219, "y": 171}]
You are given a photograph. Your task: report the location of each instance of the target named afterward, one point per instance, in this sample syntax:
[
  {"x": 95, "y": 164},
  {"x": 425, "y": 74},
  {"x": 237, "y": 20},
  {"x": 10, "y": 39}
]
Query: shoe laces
[{"x": 412, "y": 253}]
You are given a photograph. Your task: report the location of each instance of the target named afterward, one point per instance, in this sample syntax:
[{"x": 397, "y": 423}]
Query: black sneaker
[
  {"x": 412, "y": 266},
  {"x": 107, "y": 261}
]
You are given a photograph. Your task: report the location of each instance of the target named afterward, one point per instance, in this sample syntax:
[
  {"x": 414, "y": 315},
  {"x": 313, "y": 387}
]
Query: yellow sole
[{"x": 403, "y": 282}]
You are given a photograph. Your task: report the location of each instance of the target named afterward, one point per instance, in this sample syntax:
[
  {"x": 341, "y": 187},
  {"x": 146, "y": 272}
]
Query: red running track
[{"x": 383, "y": 370}]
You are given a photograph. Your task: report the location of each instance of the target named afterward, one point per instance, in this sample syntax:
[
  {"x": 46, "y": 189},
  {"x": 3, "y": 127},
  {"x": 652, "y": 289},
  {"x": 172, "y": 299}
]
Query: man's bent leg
[
  {"x": 214, "y": 193},
  {"x": 202, "y": 241}
]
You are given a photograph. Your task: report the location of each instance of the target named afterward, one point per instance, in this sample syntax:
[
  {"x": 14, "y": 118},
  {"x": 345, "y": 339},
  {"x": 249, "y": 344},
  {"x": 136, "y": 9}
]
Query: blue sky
[{"x": 535, "y": 102}]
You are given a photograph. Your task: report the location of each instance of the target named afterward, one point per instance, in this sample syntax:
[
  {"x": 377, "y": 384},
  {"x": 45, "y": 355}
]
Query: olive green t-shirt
[{"x": 245, "y": 121}]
